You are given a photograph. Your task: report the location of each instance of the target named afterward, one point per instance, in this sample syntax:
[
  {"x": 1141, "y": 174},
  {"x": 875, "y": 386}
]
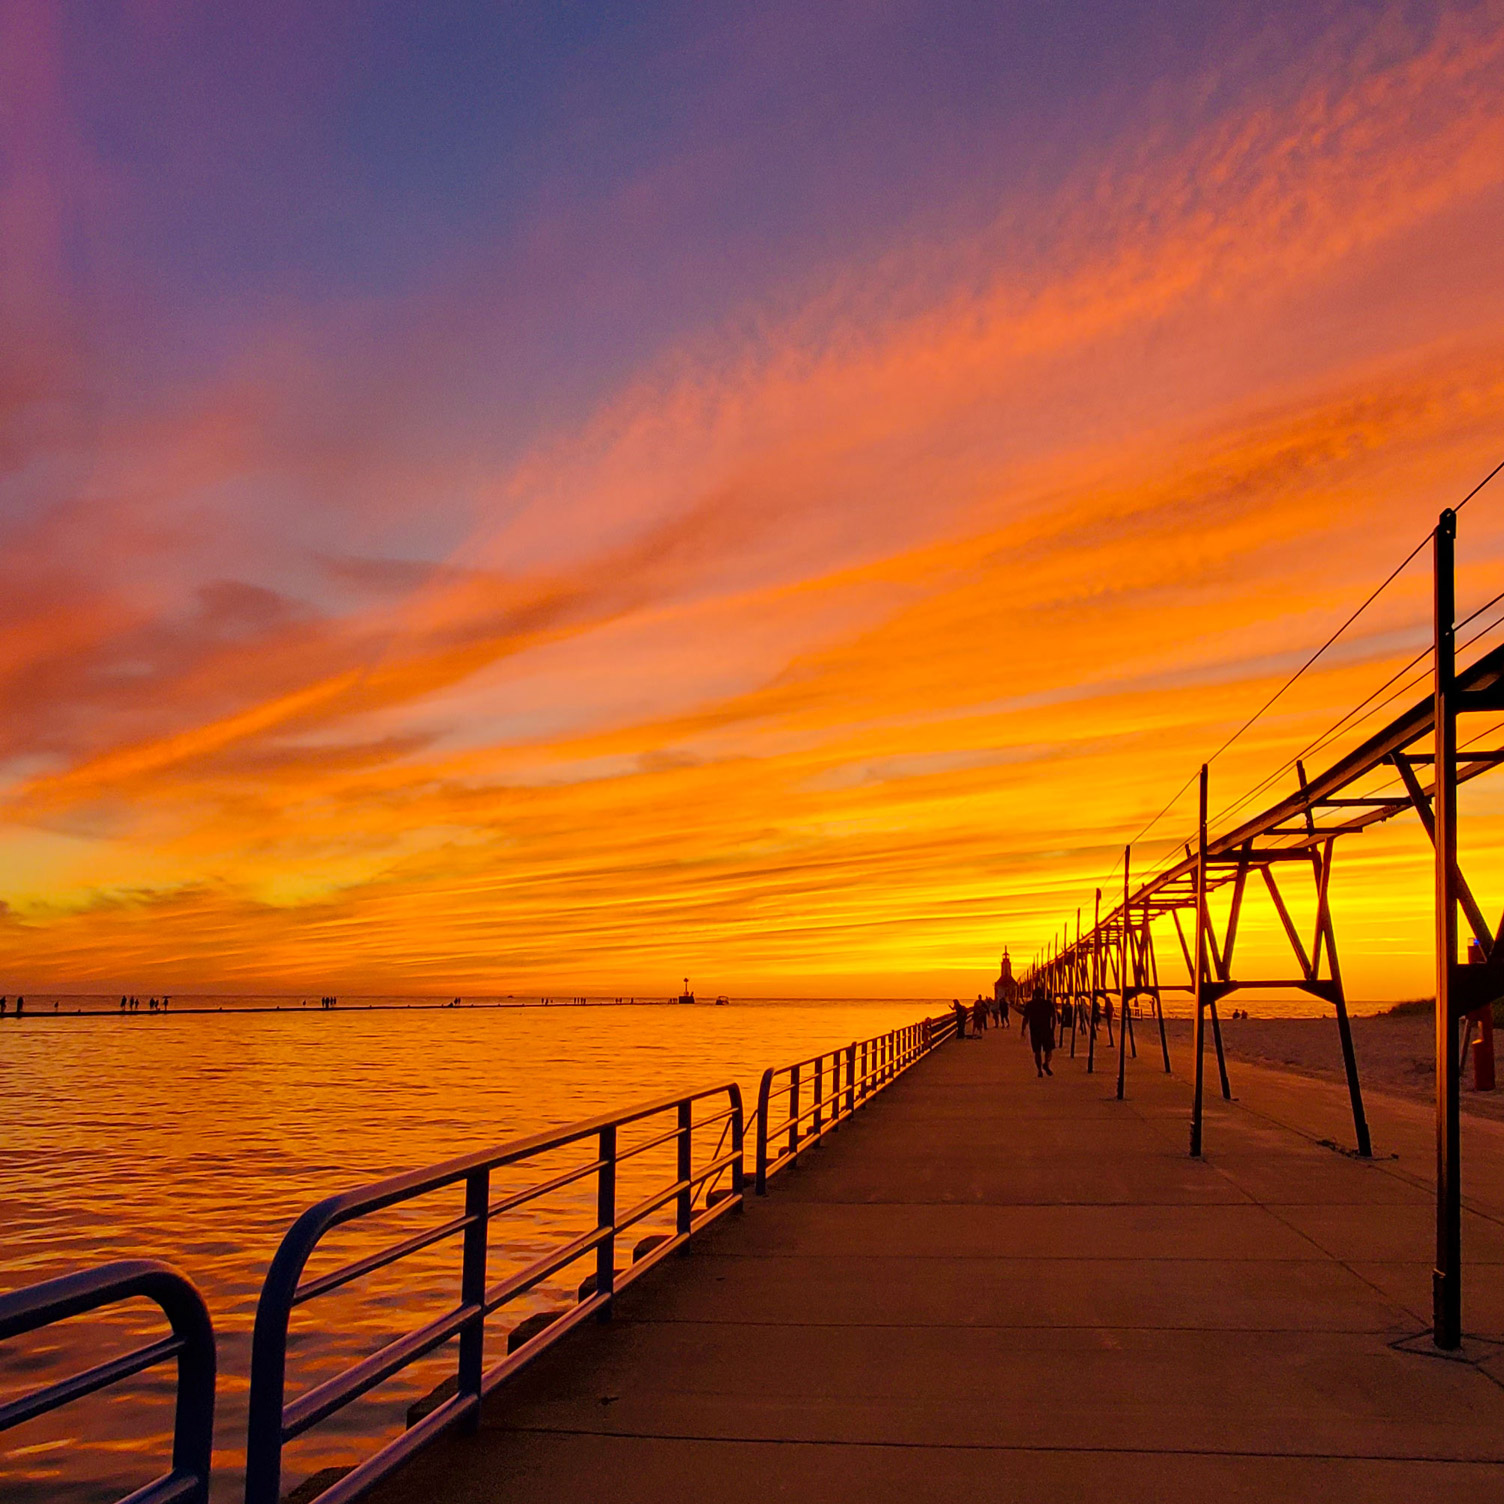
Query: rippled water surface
[{"x": 199, "y": 1136}]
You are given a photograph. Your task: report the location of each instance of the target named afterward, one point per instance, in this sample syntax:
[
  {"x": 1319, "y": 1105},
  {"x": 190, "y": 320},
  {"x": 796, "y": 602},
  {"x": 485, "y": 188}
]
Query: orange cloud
[{"x": 838, "y": 648}]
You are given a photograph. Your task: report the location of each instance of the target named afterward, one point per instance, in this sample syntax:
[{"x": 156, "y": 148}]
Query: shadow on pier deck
[{"x": 988, "y": 1286}]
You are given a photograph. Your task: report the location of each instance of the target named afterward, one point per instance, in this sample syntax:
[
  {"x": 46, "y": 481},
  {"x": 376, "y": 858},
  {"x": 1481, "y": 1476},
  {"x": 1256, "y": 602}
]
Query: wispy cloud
[{"x": 837, "y": 644}]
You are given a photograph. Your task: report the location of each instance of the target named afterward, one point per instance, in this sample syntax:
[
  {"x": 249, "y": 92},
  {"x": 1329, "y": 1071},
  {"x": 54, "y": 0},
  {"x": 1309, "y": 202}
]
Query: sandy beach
[{"x": 1396, "y": 1052}]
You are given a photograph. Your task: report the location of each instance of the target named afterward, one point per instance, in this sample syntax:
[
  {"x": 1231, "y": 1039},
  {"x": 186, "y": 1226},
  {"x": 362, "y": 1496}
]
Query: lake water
[{"x": 199, "y": 1136}]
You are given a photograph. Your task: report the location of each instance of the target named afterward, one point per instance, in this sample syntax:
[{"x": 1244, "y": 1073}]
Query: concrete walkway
[{"x": 988, "y": 1286}]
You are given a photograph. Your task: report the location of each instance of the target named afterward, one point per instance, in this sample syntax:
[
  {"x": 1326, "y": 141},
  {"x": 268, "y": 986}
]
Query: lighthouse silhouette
[{"x": 1003, "y": 987}]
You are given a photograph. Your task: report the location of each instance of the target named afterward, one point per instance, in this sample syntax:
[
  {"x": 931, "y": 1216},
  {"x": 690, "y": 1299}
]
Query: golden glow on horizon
[{"x": 834, "y": 657}]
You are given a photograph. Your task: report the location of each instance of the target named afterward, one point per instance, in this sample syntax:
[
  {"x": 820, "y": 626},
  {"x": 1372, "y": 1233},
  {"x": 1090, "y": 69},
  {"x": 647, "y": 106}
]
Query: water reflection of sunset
[{"x": 820, "y": 612}]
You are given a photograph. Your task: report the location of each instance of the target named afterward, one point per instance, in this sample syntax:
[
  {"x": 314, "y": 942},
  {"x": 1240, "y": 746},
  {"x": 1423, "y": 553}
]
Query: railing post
[
  {"x": 686, "y": 1196},
  {"x": 263, "y": 1442},
  {"x": 473, "y": 1290},
  {"x": 193, "y": 1422},
  {"x": 605, "y": 1217},
  {"x": 738, "y": 1130},
  {"x": 793, "y": 1108},
  {"x": 850, "y": 1078},
  {"x": 36, "y": 1307},
  {"x": 819, "y": 1094},
  {"x": 764, "y": 1091}
]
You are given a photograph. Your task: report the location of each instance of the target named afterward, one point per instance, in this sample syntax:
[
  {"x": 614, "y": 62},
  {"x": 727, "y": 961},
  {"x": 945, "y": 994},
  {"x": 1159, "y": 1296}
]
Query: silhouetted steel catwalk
[{"x": 1116, "y": 958}]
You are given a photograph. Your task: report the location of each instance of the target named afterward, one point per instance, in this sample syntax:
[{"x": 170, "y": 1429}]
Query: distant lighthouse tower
[{"x": 1003, "y": 987}]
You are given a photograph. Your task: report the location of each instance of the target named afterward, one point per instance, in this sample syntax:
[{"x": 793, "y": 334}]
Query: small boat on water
[
  {"x": 722, "y": 1000},
  {"x": 686, "y": 996}
]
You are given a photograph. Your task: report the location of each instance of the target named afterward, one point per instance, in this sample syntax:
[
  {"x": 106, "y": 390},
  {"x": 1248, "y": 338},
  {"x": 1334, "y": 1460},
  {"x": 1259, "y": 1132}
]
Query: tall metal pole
[
  {"x": 1159, "y": 1007},
  {"x": 1199, "y": 975},
  {"x": 1446, "y": 1278},
  {"x": 1067, "y": 964},
  {"x": 1097, "y": 979},
  {"x": 1078, "y": 972},
  {"x": 1091, "y": 1017},
  {"x": 1123, "y": 980}
]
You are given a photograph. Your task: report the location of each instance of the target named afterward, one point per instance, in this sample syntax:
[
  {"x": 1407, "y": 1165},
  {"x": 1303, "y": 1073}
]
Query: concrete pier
[{"x": 988, "y": 1286}]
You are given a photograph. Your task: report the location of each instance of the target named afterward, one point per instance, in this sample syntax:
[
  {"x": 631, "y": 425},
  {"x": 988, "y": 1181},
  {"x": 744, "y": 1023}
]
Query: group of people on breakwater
[
  {"x": 980, "y": 1015},
  {"x": 1044, "y": 1022},
  {"x": 133, "y": 1004}
]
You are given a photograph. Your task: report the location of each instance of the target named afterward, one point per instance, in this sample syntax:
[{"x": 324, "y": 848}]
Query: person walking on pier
[
  {"x": 960, "y": 1008},
  {"x": 1039, "y": 1019},
  {"x": 978, "y": 1016}
]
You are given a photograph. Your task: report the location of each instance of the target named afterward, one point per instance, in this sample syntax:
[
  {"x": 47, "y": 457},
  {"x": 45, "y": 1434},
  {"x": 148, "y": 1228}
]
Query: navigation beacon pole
[{"x": 1446, "y": 1278}]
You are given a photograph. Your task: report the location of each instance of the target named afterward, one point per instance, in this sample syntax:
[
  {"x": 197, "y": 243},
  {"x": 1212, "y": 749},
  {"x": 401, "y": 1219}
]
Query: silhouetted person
[
  {"x": 20, "y": 1006},
  {"x": 978, "y": 1016},
  {"x": 1003, "y": 1010},
  {"x": 1039, "y": 1019},
  {"x": 3, "y": 1002},
  {"x": 960, "y": 1008}
]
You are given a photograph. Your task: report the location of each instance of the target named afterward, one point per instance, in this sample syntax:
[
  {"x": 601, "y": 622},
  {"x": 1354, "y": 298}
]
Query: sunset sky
[{"x": 548, "y": 498}]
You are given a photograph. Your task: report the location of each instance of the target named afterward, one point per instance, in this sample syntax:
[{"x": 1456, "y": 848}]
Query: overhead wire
[
  {"x": 1393, "y": 780},
  {"x": 1327, "y": 736},
  {"x": 1497, "y": 469},
  {"x": 1356, "y": 719},
  {"x": 1393, "y": 575}
]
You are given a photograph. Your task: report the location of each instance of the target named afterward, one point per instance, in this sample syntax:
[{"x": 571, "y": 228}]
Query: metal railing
[
  {"x": 273, "y": 1421},
  {"x": 814, "y": 1096},
  {"x": 818, "y": 1094},
  {"x": 191, "y": 1345}
]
